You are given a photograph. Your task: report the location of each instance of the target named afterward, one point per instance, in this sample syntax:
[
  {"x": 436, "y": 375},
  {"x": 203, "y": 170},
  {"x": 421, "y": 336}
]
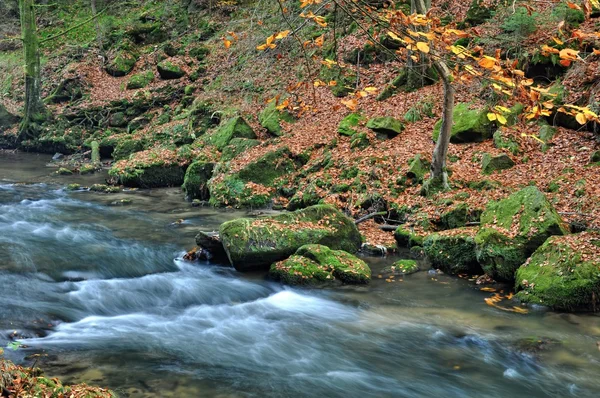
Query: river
[{"x": 101, "y": 290}]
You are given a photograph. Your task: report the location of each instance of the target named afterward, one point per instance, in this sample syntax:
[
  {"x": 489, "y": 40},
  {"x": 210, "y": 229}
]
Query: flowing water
[{"x": 102, "y": 291}]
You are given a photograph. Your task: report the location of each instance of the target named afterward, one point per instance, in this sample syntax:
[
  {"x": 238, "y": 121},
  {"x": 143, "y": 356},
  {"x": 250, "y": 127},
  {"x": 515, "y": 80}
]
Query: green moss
[
  {"x": 401, "y": 267},
  {"x": 563, "y": 274},
  {"x": 504, "y": 141},
  {"x": 418, "y": 168},
  {"x": 199, "y": 52},
  {"x": 126, "y": 148},
  {"x": 87, "y": 169},
  {"x": 478, "y": 13},
  {"x": 360, "y": 141},
  {"x": 195, "y": 183},
  {"x": 270, "y": 118},
  {"x": 317, "y": 263},
  {"x": 104, "y": 188},
  {"x": 512, "y": 229},
  {"x": 490, "y": 164},
  {"x": 386, "y": 125},
  {"x": 168, "y": 70},
  {"x": 140, "y": 80},
  {"x": 470, "y": 125},
  {"x": 236, "y": 147},
  {"x": 595, "y": 158},
  {"x": 456, "y": 217},
  {"x": 255, "y": 243},
  {"x": 304, "y": 198},
  {"x": 122, "y": 63},
  {"x": 64, "y": 171},
  {"x": 348, "y": 124},
  {"x": 407, "y": 238},
  {"x": 233, "y": 128},
  {"x": 73, "y": 187},
  {"x": 453, "y": 252}
]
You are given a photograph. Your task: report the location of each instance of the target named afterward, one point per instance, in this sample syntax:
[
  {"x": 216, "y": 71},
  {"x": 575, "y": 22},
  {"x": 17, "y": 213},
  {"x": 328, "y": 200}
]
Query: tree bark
[
  {"x": 33, "y": 107},
  {"x": 99, "y": 38},
  {"x": 438, "y": 179}
]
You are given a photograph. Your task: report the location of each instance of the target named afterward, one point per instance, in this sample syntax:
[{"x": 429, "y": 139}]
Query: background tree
[{"x": 33, "y": 106}]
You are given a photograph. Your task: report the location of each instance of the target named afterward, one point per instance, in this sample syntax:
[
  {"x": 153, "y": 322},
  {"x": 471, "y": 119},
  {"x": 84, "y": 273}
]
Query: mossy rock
[
  {"x": 140, "y": 80},
  {"x": 64, "y": 171},
  {"x": 195, "y": 183},
  {"x": 360, "y": 141},
  {"x": 87, "y": 169},
  {"x": 169, "y": 71},
  {"x": 313, "y": 264},
  {"x": 505, "y": 141},
  {"x": 512, "y": 229},
  {"x": 386, "y": 125},
  {"x": 563, "y": 274},
  {"x": 453, "y": 251},
  {"x": 121, "y": 63},
  {"x": 400, "y": 267},
  {"x": 104, "y": 188},
  {"x": 118, "y": 119},
  {"x": 478, "y": 13},
  {"x": 211, "y": 242},
  {"x": 270, "y": 118},
  {"x": 456, "y": 217},
  {"x": 347, "y": 125},
  {"x": 236, "y": 147},
  {"x": 233, "y": 128},
  {"x": 199, "y": 52},
  {"x": 258, "y": 243},
  {"x": 154, "y": 175},
  {"x": 595, "y": 158},
  {"x": 304, "y": 198},
  {"x": 407, "y": 238},
  {"x": 126, "y": 148},
  {"x": 470, "y": 125},
  {"x": 418, "y": 168},
  {"x": 73, "y": 187},
  {"x": 490, "y": 164}
]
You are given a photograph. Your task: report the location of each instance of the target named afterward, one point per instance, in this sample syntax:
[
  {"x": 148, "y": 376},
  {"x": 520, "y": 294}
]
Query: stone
[
  {"x": 595, "y": 158},
  {"x": 453, "y": 251},
  {"x": 470, "y": 125},
  {"x": 7, "y": 119},
  {"x": 490, "y": 163},
  {"x": 195, "y": 182},
  {"x": 313, "y": 263},
  {"x": 118, "y": 119},
  {"x": 512, "y": 229},
  {"x": 271, "y": 117},
  {"x": 258, "y": 243},
  {"x": 211, "y": 242},
  {"x": 349, "y": 123},
  {"x": 235, "y": 127},
  {"x": 399, "y": 268},
  {"x": 121, "y": 63},
  {"x": 169, "y": 71},
  {"x": 563, "y": 274},
  {"x": 386, "y": 125},
  {"x": 140, "y": 80}
]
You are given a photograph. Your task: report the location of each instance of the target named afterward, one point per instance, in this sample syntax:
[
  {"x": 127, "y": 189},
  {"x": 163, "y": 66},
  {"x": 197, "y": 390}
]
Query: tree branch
[{"x": 72, "y": 28}]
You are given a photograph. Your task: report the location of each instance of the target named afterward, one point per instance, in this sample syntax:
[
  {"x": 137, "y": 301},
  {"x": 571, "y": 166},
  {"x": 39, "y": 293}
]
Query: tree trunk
[
  {"x": 438, "y": 179},
  {"x": 99, "y": 38},
  {"x": 33, "y": 82}
]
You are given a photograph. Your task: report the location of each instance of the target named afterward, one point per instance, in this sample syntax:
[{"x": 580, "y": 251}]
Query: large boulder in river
[
  {"x": 453, "y": 251},
  {"x": 258, "y": 243},
  {"x": 469, "y": 125},
  {"x": 512, "y": 229},
  {"x": 195, "y": 183},
  {"x": 312, "y": 264},
  {"x": 564, "y": 273}
]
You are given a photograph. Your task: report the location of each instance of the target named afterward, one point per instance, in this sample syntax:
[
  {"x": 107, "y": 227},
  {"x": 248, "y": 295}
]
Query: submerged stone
[
  {"x": 400, "y": 267},
  {"x": 257, "y": 243}
]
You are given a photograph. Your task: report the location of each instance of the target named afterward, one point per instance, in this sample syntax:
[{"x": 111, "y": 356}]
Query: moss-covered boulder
[
  {"x": 126, "y": 148},
  {"x": 453, "y": 251},
  {"x": 121, "y": 63},
  {"x": 417, "y": 168},
  {"x": 456, "y": 217},
  {"x": 271, "y": 117},
  {"x": 470, "y": 125},
  {"x": 233, "y": 128},
  {"x": 595, "y": 158},
  {"x": 400, "y": 267},
  {"x": 406, "y": 237},
  {"x": 169, "y": 71},
  {"x": 236, "y": 147},
  {"x": 348, "y": 124},
  {"x": 490, "y": 164},
  {"x": 502, "y": 140},
  {"x": 308, "y": 196},
  {"x": 140, "y": 80},
  {"x": 313, "y": 263},
  {"x": 252, "y": 185},
  {"x": 258, "y": 243},
  {"x": 152, "y": 168},
  {"x": 386, "y": 125},
  {"x": 563, "y": 273},
  {"x": 512, "y": 229},
  {"x": 195, "y": 183}
]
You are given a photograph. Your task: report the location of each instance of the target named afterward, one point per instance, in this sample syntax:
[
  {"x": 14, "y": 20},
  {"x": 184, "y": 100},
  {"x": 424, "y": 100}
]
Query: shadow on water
[{"x": 103, "y": 291}]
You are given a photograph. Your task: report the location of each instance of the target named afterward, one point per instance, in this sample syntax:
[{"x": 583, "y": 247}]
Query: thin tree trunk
[
  {"x": 98, "y": 31},
  {"x": 33, "y": 81},
  {"x": 438, "y": 179}
]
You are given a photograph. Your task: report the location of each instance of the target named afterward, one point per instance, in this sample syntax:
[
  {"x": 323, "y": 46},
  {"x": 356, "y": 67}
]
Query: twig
[{"x": 388, "y": 227}]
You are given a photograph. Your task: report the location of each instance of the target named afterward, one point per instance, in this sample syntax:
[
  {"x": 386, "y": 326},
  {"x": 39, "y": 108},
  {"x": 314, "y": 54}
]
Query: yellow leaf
[
  {"x": 282, "y": 34},
  {"x": 371, "y": 89},
  {"x": 580, "y": 117},
  {"x": 423, "y": 47},
  {"x": 501, "y": 119},
  {"x": 491, "y": 116},
  {"x": 487, "y": 62},
  {"x": 558, "y": 41},
  {"x": 394, "y": 36},
  {"x": 568, "y": 53},
  {"x": 262, "y": 47},
  {"x": 351, "y": 104}
]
